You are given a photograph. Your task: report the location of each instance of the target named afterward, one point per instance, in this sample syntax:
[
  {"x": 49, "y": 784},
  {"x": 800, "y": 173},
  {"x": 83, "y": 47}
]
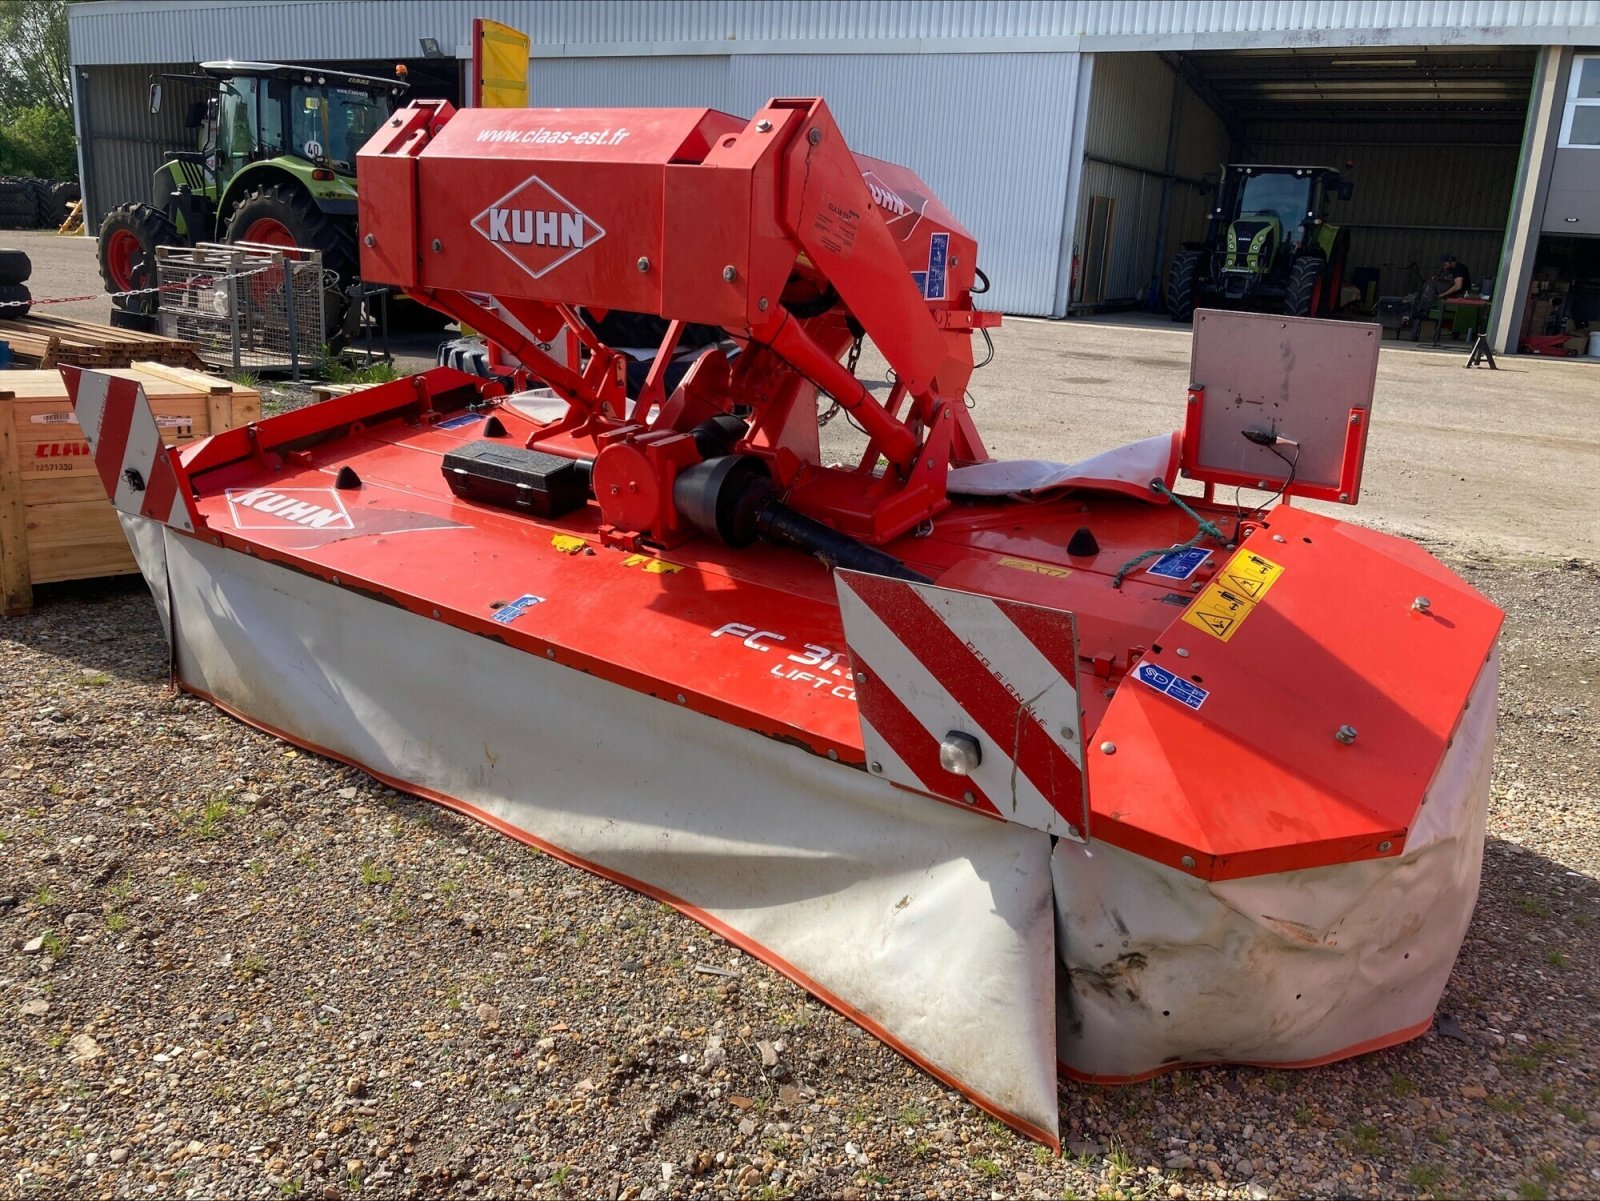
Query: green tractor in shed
[
  {"x": 275, "y": 165},
  {"x": 1269, "y": 245}
]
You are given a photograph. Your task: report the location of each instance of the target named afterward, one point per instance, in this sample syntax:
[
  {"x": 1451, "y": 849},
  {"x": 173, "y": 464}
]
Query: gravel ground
[
  {"x": 228, "y": 968},
  {"x": 231, "y": 968}
]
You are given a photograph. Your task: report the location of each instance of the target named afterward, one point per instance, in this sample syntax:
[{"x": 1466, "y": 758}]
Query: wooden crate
[{"x": 55, "y": 520}]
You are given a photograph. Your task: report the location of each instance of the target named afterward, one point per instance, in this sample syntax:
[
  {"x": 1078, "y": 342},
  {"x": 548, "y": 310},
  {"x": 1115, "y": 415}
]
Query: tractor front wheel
[
  {"x": 1304, "y": 297},
  {"x": 1183, "y": 284},
  {"x": 128, "y": 239},
  {"x": 281, "y": 215}
]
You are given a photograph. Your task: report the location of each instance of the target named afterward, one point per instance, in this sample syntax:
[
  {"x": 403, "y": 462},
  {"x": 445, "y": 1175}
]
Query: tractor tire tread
[
  {"x": 1183, "y": 285},
  {"x": 1301, "y": 295},
  {"x": 153, "y": 228}
]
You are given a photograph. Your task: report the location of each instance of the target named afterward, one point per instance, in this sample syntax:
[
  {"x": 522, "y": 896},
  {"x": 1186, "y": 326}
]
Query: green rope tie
[{"x": 1207, "y": 530}]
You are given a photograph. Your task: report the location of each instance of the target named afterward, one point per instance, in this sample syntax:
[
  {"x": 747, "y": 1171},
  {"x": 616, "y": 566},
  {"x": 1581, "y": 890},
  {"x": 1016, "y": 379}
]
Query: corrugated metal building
[{"x": 1078, "y": 140}]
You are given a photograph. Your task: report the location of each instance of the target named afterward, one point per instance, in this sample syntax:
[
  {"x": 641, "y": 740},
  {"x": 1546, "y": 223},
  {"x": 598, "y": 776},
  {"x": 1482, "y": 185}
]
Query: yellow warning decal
[
  {"x": 567, "y": 544},
  {"x": 653, "y": 566},
  {"x": 1035, "y": 567},
  {"x": 1218, "y": 612},
  {"x": 1232, "y": 595},
  {"x": 1249, "y": 575}
]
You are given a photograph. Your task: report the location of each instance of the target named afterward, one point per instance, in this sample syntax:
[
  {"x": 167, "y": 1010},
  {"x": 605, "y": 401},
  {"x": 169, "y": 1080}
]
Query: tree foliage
[
  {"x": 35, "y": 91},
  {"x": 35, "y": 71},
  {"x": 38, "y": 141}
]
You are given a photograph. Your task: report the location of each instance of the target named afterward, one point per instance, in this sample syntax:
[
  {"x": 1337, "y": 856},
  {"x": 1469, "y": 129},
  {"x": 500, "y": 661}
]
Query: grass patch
[
  {"x": 375, "y": 874},
  {"x": 1401, "y": 1086},
  {"x": 209, "y": 824},
  {"x": 986, "y": 1167},
  {"x": 93, "y": 679},
  {"x": 1532, "y": 906},
  {"x": 54, "y": 945},
  {"x": 1425, "y": 1176},
  {"x": 1365, "y": 1138},
  {"x": 334, "y": 370},
  {"x": 116, "y": 922},
  {"x": 1556, "y": 959},
  {"x": 913, "y": 1115},
  {"x": 45, "y": 897},
  {"x": 1532, "y": 1190},
  {"x": 251, "y": 967}
]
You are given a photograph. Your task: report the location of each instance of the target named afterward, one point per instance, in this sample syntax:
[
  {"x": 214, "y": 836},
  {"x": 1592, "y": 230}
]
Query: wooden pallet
[
  {"x": 45, "y": 341},
  {"x": 55, "y": 520},
  {"x": 74, "y": 221}
]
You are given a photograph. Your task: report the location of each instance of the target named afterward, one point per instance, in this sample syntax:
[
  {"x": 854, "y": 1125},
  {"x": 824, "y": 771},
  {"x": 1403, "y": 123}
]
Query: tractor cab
[
  {"x": 1269, "y": 243},
  {"x": 304, "y": 122}
]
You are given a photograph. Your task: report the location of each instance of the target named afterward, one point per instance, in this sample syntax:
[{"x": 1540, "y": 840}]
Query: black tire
[
  {"x": 62, "y": 196},
  {"x": 16, "y": 204},
  {"x": 150, "y": 227},
  {"x": 312, "y": 229},
  {"x": 1183, "y": 284},
  {"x": 1303, "y": 296},
  {"x": 43, "y": 204},
  {"x": 14, "y": 302},
  {"x": 15, "y": 267}
]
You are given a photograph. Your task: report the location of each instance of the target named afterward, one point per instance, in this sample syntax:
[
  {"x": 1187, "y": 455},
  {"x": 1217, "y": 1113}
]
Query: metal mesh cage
[{"x": 245, "y": 306}]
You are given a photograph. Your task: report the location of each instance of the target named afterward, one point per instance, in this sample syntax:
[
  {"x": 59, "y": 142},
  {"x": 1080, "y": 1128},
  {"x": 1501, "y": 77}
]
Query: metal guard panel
[{"x": 1256, "y": 780}]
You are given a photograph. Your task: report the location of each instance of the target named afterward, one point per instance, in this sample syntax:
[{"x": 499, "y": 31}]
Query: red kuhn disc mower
[{"x": 1025, "y": 767}]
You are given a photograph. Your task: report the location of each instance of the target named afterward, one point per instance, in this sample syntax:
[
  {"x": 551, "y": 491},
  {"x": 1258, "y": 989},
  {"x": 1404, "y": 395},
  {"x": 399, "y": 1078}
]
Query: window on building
[{"x": 1581, "y": 125}]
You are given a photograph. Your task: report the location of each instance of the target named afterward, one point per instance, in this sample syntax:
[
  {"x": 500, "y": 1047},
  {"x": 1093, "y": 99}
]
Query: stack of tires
[
  {"x": 14, "y": 296},
  {"x": 27, "y": 203}
]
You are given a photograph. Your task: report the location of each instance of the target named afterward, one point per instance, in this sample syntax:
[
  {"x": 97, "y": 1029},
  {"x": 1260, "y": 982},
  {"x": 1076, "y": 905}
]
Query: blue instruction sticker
[
  {"x": 931, "y": 283},
  {"x": 457, "y": 422},
  {"x": 1174, "y": 686},
  {"x": 507, "y": 614},
  {"x": 1179, "y": 564}
]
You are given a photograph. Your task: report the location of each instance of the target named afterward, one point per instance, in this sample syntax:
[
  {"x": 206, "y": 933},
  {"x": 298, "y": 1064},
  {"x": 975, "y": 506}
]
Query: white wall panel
[{"x": 987, "y": 132}]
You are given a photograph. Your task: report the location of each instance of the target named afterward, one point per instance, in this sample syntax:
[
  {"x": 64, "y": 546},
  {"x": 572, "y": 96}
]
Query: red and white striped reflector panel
[
  {"x": 931, "y": 663},
  {"x": 123, "y": 437}
]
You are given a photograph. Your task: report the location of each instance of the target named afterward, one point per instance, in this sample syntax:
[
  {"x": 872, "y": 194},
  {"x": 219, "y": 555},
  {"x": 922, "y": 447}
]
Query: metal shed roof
[{"x": 130, "y": 31}]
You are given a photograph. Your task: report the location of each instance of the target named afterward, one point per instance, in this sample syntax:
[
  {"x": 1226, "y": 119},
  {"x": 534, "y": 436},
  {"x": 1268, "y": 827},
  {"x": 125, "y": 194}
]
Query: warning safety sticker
[
  {"x": 1231, "y": 597},
  {"x": 1034, "y": 566},
  {"x": 1250, "y": 575}
]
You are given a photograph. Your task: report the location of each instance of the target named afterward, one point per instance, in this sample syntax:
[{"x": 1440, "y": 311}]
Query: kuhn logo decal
[
  {"x": 886, "y": 197},
  {"x": 288, "y": 508},
  {"x": 537, "y": 227}
]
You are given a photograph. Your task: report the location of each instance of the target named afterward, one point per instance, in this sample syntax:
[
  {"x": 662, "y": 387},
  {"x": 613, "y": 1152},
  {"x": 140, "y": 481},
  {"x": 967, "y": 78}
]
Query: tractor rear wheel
[
  {"x": 128, "y": 239},
  {"x": 1304, "y": 296},
  {"x": 1183, "y": 284},
  {"x": 283, "y": 215}
]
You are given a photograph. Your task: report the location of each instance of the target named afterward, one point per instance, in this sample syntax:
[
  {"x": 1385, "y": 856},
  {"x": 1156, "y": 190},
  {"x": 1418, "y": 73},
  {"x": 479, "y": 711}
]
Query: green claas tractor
[
  {"x": 275, "y": 164},
  {"x": 1269, "y": 245}
]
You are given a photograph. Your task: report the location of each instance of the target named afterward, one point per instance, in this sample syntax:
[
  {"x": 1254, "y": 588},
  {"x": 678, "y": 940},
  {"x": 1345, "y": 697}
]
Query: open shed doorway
[{"x": 1428, "y": 138}]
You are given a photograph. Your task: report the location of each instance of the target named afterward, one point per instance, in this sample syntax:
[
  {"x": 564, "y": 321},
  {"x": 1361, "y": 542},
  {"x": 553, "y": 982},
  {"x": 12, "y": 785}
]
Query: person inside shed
[{"x": 1452, "y": 281}]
